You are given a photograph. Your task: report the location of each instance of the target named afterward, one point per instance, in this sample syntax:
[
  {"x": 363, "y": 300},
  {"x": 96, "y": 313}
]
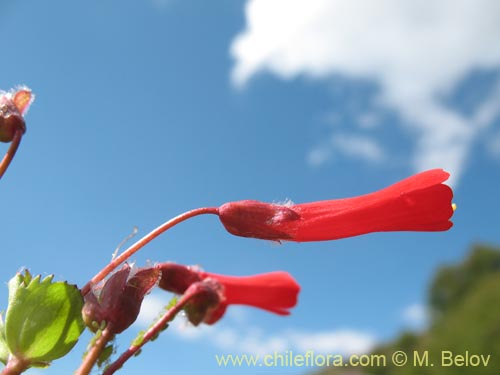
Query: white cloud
[
  {"x": 418, "y": 52},
  {"x": 238, "y": 314},
  {"x": 368, "y": 120},
  {"x": 494, "y": 145},
  {"x": 151, "y": 308},
  {"x": 235, "y": 335},
  {"x": 416, "y": 316},
  {"x": 251, "y": 340},
  {"x": 319, "y": 155},
  {"x": 489, "y": 110},
  {"x": 357, "y": 146},
  {"x": 341, "y": 341}
]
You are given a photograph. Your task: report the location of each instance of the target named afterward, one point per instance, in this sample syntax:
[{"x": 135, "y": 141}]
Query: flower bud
[
  {"x": 256, "y": 219},
  {"x": 119, "y": 301},
  {"x": 10, "y": 121},
  {"x": 206, "y": 299},
  {"x": 176, "y": 278},
  {"x": 12, "y": 108}
]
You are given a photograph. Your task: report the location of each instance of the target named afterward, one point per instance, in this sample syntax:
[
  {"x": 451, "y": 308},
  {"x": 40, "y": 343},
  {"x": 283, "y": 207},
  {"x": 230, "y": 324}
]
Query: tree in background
[{"x": 464, "y": 302}]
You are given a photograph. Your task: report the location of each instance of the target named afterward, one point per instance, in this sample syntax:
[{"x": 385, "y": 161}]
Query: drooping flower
[
  {"x": 418, "y": 203},
  {"x": 118, "y": 302},
  {"x": 275, "y": 291},
  {"x": 13, "y": 105}
]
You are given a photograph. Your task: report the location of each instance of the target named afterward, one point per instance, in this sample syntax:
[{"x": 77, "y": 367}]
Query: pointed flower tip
[
  {"x": 23, "y": 98},
  {"x": 443, "y": 175}
]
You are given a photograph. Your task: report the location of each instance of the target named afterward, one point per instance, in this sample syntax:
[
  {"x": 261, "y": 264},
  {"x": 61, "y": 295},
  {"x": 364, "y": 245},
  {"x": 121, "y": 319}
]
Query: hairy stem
[
  {"x": 94, "y": 352},
  {"x": 9, "y": 155},
  {"x": 144, "y": 241},
  {"x": 152, "y": 332}
]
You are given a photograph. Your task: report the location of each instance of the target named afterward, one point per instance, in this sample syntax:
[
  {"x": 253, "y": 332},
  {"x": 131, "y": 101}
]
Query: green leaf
[
  {"x": 43, "y": 320},
  {"x": 139, "y": 338},
  {"x": 4, "y": 350}
]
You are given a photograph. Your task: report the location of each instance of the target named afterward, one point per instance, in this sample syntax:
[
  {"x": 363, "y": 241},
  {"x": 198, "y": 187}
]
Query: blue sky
[{"x": 148, "y": 109}]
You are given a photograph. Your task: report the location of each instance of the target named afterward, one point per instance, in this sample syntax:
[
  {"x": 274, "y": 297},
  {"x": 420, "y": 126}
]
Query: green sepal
[
  {"x": 104, "y": 357},
  {"x": 4, "y": 349},
  {"x": 43, "y": 320}
]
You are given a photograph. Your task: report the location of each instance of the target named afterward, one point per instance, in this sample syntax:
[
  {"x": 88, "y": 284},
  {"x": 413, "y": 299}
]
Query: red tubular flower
[
  {"x": 419, "y": 203},
  {"x": 275, "y": 291}
]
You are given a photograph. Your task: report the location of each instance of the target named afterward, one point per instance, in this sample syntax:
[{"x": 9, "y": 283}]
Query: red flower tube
[
  {"x": 275, "y": 291},
  {"x": 419, "y": 203}
]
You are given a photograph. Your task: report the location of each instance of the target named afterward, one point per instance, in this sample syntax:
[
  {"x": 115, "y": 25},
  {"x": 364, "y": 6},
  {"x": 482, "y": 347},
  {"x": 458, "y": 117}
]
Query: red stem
[
  {"x": 144, "y": 241},
  {"x": 150, "y": 333},
  {"x": 94, "y": 352},
  {"x": 15, "y": 366},
  {"x": 9, "y": 155}
]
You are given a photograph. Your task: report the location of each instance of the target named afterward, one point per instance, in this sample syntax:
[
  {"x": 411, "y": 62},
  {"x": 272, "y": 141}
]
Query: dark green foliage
[
  {"x": 465, "y": 300},
  {"x": 452, "y": 283}
]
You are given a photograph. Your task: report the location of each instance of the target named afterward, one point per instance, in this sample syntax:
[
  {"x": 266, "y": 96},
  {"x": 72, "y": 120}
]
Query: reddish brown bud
[
  {"x": 120, "y": 299},
  {"x": 257, "y": 219},
  {"x": 206, "y": 298},
  {"x": 176, "y": 278},
  {"x": 12, "y": 108},
  {"x": 10, "y": 122}
]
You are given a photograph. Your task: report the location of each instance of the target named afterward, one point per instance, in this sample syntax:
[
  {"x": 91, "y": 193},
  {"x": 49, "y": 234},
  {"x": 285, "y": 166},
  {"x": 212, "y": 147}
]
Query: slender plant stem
[
  {"x": 144, "y": 241},
  {"x": 94, "y": 352},
  {"x": 154, "y": 330},
  {"x": 15, "y": 366},
  {"x": 9, "y": 155}
]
